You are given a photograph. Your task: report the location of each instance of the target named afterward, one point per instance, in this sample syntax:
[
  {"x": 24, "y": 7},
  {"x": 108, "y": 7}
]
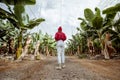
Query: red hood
[{"x": 60, "y": 29}]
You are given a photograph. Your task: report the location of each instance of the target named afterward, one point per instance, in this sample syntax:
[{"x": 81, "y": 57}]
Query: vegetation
[
  {"x": 19, "y": 24},
  {"x": 95, "y": 26}
]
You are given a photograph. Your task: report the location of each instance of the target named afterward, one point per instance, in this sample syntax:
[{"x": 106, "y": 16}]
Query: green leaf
[
  {"x": 84, "y": 26},
  {"x": 97, "y": 12},
  {"x": 110, "y": 16},
  {"x": 89, "y": 15},
  {"x": 112, "y": 9},
  {"x": 34, "y": 23},
  {"x": 2, "y": 33},
  {"x": 9, "y": 16},
  {"x": 19, "y": 10},
  {"x": 13, "y": 2},
  {"x": 97, "y": 22}
]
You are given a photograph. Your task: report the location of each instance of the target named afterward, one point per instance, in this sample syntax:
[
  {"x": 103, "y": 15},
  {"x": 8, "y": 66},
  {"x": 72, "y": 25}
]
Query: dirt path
[{"x": 76, "y": 69}]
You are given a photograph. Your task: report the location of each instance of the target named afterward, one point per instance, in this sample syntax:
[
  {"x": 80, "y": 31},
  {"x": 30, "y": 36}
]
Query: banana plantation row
[{"x": 96, "y": 34}]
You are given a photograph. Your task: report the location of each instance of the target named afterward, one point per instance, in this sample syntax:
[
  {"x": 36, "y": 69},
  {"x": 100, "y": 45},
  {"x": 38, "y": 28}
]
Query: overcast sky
[{"x": 59, "y": 13}]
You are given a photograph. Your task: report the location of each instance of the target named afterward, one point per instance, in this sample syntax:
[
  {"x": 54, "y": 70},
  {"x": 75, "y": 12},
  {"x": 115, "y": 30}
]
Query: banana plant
[
  {"x": 48, "y": 44},
  {"x": 77, "y": 44},
  {"x": 18, "y": 20},
  {"x": 111, "y": 13},
  {"x": 70, "y": 47},
  {"x": 96, "y": 25},
  {"x": 93, "y": 26},
  {"x": 36, "y": 38}
]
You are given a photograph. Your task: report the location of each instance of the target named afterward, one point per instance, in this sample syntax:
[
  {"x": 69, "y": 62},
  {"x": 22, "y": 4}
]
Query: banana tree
[
  {"x": 48, "y": 44},
  {"x": 110, "y": 13},
  {"x": 96, "y": 25},
  {"x": 36, "y": 43},
  {"x": 8, "y": 34},
  {"x": 70, "y": 47},
  {"x": 116, "y": 35},
  {"x": 76, "y": 45},
  {"x": 18, "y": 20}
]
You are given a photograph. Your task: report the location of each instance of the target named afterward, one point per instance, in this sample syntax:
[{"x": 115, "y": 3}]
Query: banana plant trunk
[
  {"x": 78, "y": 50},
  {"x": 11, "y": 46},
  {"x": 36, "y": 53},
  {"x": 19, "y": 46},
  {"x": 71, "y": 52},
  {"x": 102, "y": 43},
  {"x": 47, "y": 51}
]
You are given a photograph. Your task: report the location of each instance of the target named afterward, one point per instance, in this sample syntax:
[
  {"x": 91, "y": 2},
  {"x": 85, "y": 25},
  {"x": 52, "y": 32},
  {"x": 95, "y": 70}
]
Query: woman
[{"x": 60, "y": 37}]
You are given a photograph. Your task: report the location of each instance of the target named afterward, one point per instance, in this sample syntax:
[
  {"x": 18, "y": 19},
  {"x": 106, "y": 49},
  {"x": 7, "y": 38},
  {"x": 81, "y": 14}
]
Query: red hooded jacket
[{"x": 60, "y": 35}]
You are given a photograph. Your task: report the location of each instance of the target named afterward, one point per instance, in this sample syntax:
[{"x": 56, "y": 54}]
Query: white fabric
[{"x": 60, "y": 52}]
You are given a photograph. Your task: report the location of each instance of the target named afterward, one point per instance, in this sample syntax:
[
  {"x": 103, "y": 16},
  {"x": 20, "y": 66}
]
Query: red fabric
[
  {"x": 60, "y": 28},
  {"x": 60, "y": 35}
]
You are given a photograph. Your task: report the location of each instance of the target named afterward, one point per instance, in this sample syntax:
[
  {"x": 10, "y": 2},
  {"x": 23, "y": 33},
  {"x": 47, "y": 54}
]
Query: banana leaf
[
  {"x": 2, "y": 33},
  {"x": 14, "y": 2},
  {"x": 97, "y": 21},
  {"x": 89, "y": 15},
  {"x": 112, "y": 9},
  {"x": 9, "y": 16},
  {"x": 34, "y": 23}
]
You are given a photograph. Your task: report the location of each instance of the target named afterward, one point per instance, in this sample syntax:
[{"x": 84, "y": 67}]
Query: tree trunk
[
  {"x": 107, "y": 43},
  {"x": 36, "y": 53},
  {"x": 19, "y": 46},
  {"x": 25, "y": 49},
  {"x": 78, "y": 50},
  {"x": 11, "y": 46},
  {"x": 47, "y": 51}
]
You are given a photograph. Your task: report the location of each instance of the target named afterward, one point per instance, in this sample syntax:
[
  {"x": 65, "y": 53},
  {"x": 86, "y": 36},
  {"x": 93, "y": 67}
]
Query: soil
[{"x": 76, "y": 69}]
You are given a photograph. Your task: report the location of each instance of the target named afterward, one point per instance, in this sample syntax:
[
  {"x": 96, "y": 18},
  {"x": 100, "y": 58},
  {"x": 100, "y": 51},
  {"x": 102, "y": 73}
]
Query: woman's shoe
[
  {"x": 63, "y": 66},
  {"x": 59, "y": 67}
]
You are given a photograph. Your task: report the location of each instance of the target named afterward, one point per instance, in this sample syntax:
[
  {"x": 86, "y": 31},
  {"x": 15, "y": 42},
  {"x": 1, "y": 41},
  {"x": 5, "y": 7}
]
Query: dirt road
[{"x": 76, "y": 69}]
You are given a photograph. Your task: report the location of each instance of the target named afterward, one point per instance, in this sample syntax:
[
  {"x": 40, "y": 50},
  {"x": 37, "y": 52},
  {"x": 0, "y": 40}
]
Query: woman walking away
[{"x": 60, "y": 37}]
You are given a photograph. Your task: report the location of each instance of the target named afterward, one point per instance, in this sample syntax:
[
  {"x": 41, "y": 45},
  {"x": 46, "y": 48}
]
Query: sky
[{"x": 59, "y": 13}]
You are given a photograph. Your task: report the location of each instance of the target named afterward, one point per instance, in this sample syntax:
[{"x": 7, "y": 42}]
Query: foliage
[
  {"x": 112, "y": 10},
  {"x": 19, "y": 21},
  {"x": 95, "y": 26}
]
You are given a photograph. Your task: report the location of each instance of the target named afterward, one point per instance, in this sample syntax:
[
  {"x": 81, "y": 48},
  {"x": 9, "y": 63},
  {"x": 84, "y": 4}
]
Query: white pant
[{"x": 60, "y": 52}]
